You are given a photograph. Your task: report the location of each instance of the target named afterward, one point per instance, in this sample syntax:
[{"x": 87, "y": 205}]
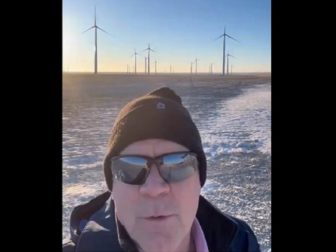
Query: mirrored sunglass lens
[
  {"x": 130, "y": 170},
  {"x": 177, "y": 167}
]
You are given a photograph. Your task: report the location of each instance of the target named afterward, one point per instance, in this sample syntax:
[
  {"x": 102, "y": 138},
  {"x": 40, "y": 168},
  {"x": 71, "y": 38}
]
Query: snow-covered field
[{"x": 235, "y": 126}]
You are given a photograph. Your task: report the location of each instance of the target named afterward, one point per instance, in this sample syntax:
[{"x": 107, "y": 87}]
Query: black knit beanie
[{"x": 158, "y": 114}]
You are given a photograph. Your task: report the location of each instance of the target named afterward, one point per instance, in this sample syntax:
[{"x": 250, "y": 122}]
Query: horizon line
[{"x": 153, "y": 73}]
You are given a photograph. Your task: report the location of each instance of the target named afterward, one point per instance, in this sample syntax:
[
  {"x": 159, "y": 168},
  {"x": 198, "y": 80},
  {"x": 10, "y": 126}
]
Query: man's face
[{"x": 138, "y": 206}]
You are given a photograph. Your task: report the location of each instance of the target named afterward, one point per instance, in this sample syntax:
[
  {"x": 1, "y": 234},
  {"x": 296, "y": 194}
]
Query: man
[{"x": 154, "y": 168}]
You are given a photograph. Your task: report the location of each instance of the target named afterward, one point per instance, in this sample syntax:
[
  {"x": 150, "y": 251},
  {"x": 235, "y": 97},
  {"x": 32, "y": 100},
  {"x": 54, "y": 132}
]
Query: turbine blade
[
  {"x": 102, "y": 29},
  {"x": 151, "y": 49},
  {"x": 219, "y": 37},
  {"x": 231, "y": 37},
  {"x": 88, "y": 29},
  {"x": 230, "y": 55},
  {"x": 95, "y": 16},
  {"x": 134, "y": 54}
]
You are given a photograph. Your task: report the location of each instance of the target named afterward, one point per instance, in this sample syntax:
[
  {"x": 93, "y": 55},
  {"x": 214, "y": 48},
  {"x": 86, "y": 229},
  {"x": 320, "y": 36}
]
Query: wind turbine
[
  {"x": 210, "y": 68},
  {"x": 224, "y": 35},
  {"x": 227, "y": 66},
  {"x": 196, "y": 65},
  {"x": 148, "y": 63},
  {"x": 135, "y": 62},
  {"x": 95, "y": 26},
  {"x": 191, "y": 64},
  {"x": 145, "y": 65},
  {"x": 155, "y": 66}
]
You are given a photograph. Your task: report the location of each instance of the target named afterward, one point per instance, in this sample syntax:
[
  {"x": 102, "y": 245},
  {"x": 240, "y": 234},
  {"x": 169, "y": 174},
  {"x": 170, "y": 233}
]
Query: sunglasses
[{"x": 173, "y": 167}]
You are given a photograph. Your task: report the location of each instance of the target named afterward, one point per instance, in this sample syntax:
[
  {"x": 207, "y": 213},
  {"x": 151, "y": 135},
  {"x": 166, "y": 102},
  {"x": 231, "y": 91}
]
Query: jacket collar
[{"x": 100, "y": 232}]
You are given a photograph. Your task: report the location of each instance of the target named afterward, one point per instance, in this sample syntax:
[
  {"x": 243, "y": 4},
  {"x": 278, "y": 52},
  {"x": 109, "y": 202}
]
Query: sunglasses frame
[{"x": 152, "y": 160}]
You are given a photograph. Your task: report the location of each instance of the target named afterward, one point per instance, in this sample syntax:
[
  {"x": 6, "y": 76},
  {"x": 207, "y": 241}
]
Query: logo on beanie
[{"x": 160, "y": 105}]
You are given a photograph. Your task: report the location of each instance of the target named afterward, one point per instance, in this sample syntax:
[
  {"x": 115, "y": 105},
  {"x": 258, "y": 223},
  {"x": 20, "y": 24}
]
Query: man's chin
[{"x": 158, "y": 244}]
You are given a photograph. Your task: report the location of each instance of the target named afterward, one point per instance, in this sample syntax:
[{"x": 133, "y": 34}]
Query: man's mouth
[{"x": 159, "y": 217}]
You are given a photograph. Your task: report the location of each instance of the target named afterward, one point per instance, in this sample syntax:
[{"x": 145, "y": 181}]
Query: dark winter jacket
[{"x": 93, "y": 228}]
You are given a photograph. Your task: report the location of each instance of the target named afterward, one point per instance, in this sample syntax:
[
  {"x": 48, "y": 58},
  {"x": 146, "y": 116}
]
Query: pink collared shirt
[{"x": 198, "y": 237}]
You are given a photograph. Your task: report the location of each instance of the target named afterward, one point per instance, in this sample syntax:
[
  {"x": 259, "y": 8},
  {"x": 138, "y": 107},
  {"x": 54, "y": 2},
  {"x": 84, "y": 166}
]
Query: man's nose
[{"x": 154, "y": 185}]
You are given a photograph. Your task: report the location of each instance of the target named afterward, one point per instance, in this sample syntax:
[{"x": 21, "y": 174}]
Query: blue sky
[{"x": 178, "y": 30}]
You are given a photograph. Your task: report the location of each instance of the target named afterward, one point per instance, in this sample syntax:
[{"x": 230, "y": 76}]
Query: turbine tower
[
  {"x": 95, "y": 26},
  {"x": 135, "y": 62},
  {"x": 145, "y": 65},
  {"x": 210, "y": 68},
  {"x": 227, "y": 68},
  {"x": 196, "y": 60},
  {"x": 224, "y": 35},
  {"x": 148, "y": 58}
]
